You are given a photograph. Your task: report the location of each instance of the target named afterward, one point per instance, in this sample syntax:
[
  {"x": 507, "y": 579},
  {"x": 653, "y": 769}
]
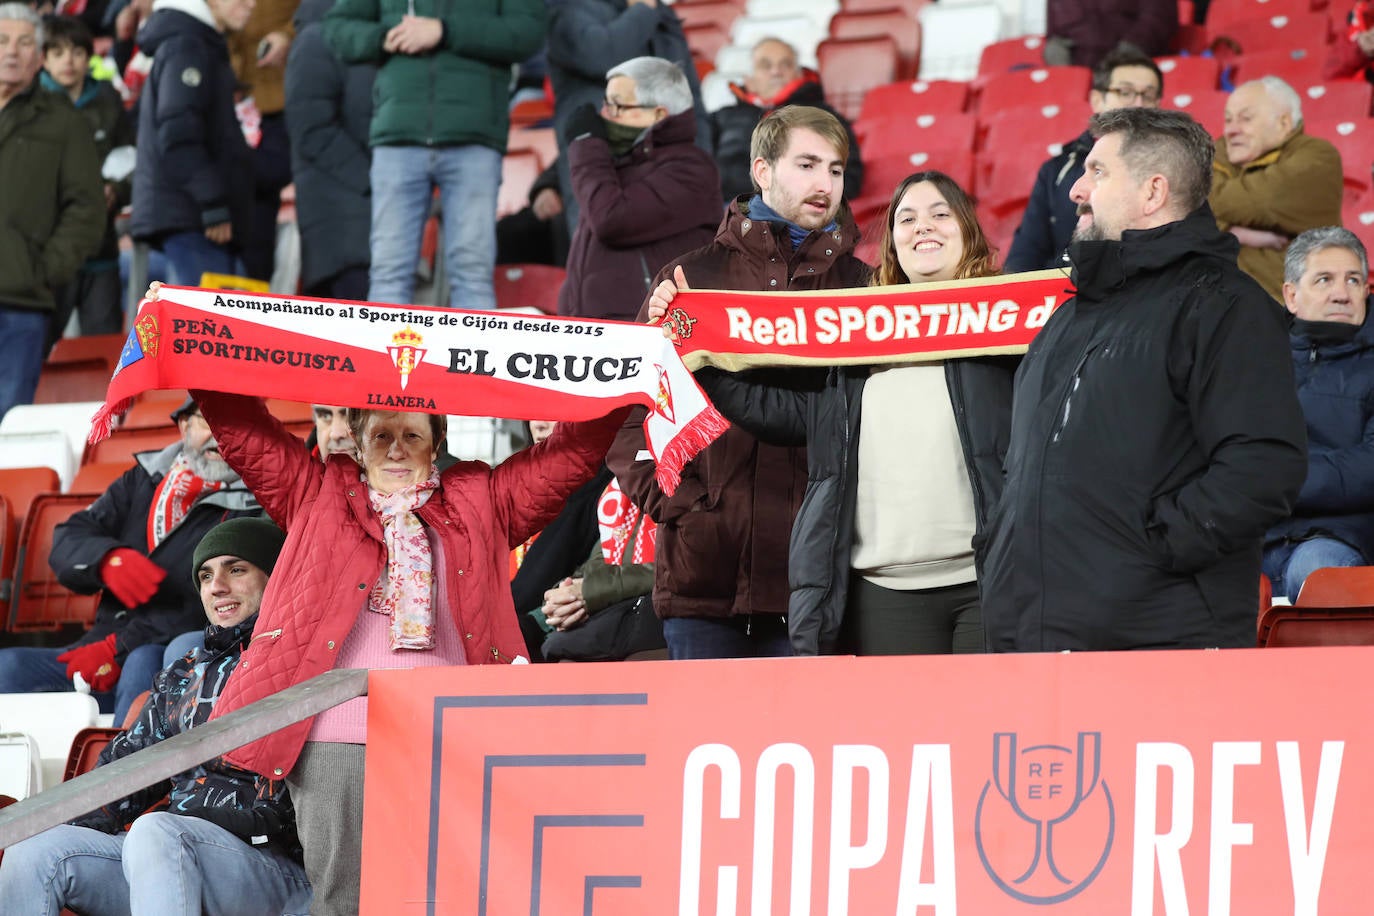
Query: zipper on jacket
[
  {"x": 270, "y": 634},
  {"x": 1066, "y": 406}
]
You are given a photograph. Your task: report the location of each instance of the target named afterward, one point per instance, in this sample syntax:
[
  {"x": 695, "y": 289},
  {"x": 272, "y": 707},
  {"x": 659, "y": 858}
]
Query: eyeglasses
[
  {"x": 1130, "y": 96},
  {"x": 616, "y": 109}
]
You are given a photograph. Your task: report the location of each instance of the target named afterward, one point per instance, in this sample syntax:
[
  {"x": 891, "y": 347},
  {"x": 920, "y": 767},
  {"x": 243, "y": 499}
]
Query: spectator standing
[
  {"x": 258, "y": 52},
  {"x": 1156, "y": 434},
  {"x": 878, "y": 568},
  {"x": 94, "y": 293},
  {"x": 193, "y": 185},
  {"x": 133, "y": 542},
  {"x": 328, "y": 111},
  {"x": 1123, "y": 79},
  {"x": 648, "y": 193},
  {"x": 720, "y": 573},
  {"x": 52, "y": 208},
  {"x": 1326, "y": 275},
  {"x": 774, "y": 80},
  {"x": 589, "y": 37},
  {"x": 440, "y": 121},
  {"x": 227, "y": 842},
  {"x": 1272, "y": 180},
  {"x": 1350, "y": 55}
]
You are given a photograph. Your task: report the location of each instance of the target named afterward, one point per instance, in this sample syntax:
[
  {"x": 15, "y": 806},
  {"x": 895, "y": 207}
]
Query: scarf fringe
[
  {"x": 103, "y": 423},
  {"x": 700, "y": 431}
]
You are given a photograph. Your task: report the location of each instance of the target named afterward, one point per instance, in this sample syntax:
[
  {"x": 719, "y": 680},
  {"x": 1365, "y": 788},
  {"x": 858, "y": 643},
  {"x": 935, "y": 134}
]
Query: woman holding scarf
[
  {"x": 391, "y": 565},
  {"x": 882, "y": 558}
]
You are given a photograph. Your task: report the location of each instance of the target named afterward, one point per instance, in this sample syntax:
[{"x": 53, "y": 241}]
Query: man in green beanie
[{"x": 228, "y": 835}]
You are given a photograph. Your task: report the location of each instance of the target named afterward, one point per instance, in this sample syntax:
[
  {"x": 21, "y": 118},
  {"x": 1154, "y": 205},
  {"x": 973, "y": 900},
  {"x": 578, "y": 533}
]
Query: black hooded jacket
[
  {"x": 1156, "y": 435},
  {"x": 194, "y": 168}
]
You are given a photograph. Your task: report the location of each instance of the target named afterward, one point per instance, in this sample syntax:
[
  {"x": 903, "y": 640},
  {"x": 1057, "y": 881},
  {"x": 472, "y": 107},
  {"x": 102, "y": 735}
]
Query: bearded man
[{"x": 146, "y": 525}]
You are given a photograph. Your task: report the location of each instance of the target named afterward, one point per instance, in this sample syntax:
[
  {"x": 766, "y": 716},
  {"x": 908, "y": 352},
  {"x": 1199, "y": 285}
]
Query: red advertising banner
[{"x": 1135, "y": 783}]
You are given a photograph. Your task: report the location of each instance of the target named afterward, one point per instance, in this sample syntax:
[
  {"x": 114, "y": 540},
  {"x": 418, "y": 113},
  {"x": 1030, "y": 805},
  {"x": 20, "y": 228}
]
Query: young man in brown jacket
[{"x": 720, "y": 576}]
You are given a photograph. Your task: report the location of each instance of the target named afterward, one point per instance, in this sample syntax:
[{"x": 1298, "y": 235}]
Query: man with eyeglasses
[
  {"x": 1125, "y": 79},
  {"x": 647, "y": 192},
  {"x": 145, "y": 526},
  {"x": 1271, "y": 180}
]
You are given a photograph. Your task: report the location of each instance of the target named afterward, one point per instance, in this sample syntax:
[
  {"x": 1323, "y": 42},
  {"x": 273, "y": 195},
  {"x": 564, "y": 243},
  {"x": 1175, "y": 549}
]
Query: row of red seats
[{"x": 1334, "y": 608}]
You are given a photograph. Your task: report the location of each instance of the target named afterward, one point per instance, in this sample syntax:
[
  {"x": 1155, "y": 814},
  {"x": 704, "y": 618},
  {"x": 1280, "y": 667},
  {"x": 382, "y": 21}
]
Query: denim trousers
[
  {"x": 25, "y": 336},
  {"x": 403, "y": 183},
  {"x": 33, "y": 670},
  {"x": 1290, "y": 563},
  {"x": 743, "y": 636},
  {"x": 190, "y": 254},
  {"x": 167, "y": 864}
]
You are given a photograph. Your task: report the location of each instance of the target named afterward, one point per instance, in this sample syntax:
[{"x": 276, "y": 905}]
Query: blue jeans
[
  {"x": 1290, "y": 563},
  {"x": 24, "y": 334},
  {"x": 403, "y": 182},
  {"x": 167, "y": 863},
  {"x": 762, "y": 636},
  {"x": 30, "y": 670},
  {"x": 190, "y": 254}
]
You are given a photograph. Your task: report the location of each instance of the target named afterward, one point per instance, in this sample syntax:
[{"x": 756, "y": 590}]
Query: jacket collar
[
  {"x": 740, "y": 232},
  {"x": 235, "y": 496},
  {"x": 1102, "y": 267},
  {"x": 804, "y": 90}
]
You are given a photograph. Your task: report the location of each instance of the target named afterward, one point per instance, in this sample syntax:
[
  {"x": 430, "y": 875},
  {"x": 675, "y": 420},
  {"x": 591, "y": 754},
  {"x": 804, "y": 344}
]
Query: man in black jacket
[
  {"x": 226, "y": 842},
  {"x": 133, "y": 542},
  {"x": 1156, "y": 434},
  {"x": 775, "y": 80}
]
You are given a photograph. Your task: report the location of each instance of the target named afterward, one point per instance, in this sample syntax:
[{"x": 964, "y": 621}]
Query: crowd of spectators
[{"x": 1172, "y": 424}]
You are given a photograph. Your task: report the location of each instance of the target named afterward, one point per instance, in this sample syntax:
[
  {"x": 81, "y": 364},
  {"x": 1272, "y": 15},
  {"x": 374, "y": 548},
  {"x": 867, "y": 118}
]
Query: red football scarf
[
  {"x": 176, "y": 493},
  {"x": 871, "y": 326},
  {"x": 361, "y": 354}
]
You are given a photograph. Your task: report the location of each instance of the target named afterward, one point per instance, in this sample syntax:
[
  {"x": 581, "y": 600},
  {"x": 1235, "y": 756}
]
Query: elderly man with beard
[{"x": 146, "y": 525}]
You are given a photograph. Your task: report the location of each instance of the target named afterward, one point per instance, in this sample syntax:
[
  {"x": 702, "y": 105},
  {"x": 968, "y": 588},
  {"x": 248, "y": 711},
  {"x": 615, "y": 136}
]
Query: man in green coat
[
  {"x": 440, "y": 120},
  {"x": 52, "y": 204}
]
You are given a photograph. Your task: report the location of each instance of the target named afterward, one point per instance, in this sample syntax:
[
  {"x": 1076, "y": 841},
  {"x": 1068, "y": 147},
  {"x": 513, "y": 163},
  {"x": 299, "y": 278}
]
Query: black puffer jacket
[
  {"x": 826, "y": 420},
  {"x": 194, "y": 168},
  {"x": 1336, "y": 390},
  {"x": 183, "y": 695},
  {"x": 1156, "y": 435},
  {"x": 119, "y": 518},
  {"x": 733, "y": 126}
]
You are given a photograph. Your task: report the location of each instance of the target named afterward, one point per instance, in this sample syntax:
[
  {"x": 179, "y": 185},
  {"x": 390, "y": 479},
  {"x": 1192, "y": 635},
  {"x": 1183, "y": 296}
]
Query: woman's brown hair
[{"x": 980, "y": 258}]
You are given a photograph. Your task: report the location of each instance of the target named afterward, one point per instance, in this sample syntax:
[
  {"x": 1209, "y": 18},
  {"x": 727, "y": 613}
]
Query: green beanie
[{"x": 256, "y": 540}]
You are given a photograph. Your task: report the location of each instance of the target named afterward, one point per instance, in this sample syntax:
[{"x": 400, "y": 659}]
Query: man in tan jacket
[{"x": 1271, "y": 181}]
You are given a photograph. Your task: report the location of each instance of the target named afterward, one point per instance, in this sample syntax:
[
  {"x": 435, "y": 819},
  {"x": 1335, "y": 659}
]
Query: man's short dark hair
[
  {"x": 60, "y": 31},
  {"x": 1159, "y": 142},
  {"x": 1124, "y": 57},
  {"x": 1314, "y": 240}
]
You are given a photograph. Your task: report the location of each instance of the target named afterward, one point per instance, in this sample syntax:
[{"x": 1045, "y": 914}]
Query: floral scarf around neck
[{"x": 405, "y": 590}]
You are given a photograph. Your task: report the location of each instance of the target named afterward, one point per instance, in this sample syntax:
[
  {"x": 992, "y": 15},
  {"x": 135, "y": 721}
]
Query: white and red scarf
[
  {"x": 492, "y": 363},
  {"x": 174, "y": 497},
  {"x": 617, "y": 520}
]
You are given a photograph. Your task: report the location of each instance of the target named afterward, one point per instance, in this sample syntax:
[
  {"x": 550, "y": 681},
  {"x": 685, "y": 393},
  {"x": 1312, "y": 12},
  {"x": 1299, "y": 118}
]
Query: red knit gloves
[
  {"x": 131, "y": 576},
  {"x": 95, "y": 662}
]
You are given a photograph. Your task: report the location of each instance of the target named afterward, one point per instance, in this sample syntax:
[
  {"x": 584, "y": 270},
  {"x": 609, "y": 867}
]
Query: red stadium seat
[
  {"x": 86, "y": 748},
  {"x": 709, "y": 12},
  {"x": 1284, "y": 626},
  {"x": 1335, "y": 100},
  {"x": 40, "y": 602},
  {"x": 1354, "y": 137},
  {"x": 894, "y": 22},
  {"x": 123, "y": 444},
  {"x": 927, "y": 132},
  {"x": 97, "y": 477},
  {"x": 1277, "y": 33},
  {"x": 519, "y": 169},
  {"x": 1225, "y": 12},
  {"x": 849, "y": 67},
  {"x": 1189, "y": 74},
  {"x": 914, "y": 98},
  {"x": 1295, "y": 66},
  {"x": 1207, "y": 108},
  {"x": 541, "y": 140},
  {"x": 79, "y": 380},
  {"x": 912, "y": 7},
  {"x": 89, "y": 346},
  {"x": 885, "y": 173},
  {"x": 1033, "y": 88},
  {"x": 1041, "y": 129},
  {"x": 1024, "y": 53},
  {"x": 528, "y": 285},
  {"x": 18, "y": 489},
  {"x": 706, "y": 39},
  {"x": 1338, "y": 586},
  {"x": 1358, "y": 216}
]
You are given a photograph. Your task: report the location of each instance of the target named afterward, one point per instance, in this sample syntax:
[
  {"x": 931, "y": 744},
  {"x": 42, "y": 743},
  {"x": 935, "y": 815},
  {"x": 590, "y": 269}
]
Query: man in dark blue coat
[
  {"x": 1325, "y": 286},
  {"x": 193, "y": 185},
  {"x": 1124, "y": 79}
]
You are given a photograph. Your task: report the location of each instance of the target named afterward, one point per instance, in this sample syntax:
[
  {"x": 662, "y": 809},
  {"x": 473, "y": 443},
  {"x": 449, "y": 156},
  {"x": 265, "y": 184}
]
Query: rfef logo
[{"x": 1045, "y": 820}]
